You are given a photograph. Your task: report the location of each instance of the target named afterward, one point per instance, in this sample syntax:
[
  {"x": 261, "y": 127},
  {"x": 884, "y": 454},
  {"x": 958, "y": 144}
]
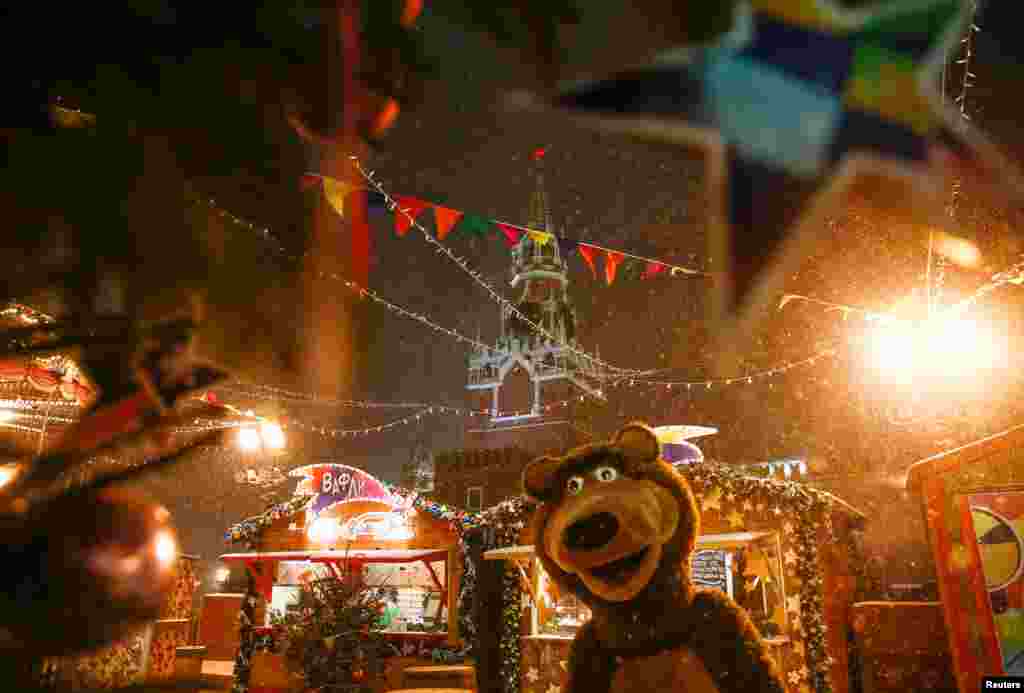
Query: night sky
[{"x": 459, "y": 149}]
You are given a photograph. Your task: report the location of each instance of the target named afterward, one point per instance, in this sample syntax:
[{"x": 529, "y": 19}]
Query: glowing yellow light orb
[
  {"x": 166, "y": 548},
  {"x": 249, "y": 439},
  {"x": 273, "y": 436},
  {"x": 324, "y": 530}
]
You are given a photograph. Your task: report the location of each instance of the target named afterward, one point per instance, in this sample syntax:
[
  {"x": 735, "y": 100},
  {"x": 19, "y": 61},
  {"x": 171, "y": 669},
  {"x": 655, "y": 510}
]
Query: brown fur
[{"x": 650, "y": 629}]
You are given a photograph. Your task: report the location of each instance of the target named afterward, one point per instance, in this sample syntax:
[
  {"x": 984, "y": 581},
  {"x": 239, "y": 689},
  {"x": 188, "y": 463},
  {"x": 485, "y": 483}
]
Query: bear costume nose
[{"x": 591, "y": 532}]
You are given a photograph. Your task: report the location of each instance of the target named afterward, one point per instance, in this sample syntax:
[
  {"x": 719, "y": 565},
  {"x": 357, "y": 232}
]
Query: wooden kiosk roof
[{"x": 952, "y": 460}]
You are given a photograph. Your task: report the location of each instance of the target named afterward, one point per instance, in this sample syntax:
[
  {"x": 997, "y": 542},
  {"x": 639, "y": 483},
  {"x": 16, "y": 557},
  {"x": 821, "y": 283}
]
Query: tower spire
[{"x": 540, "y": 212}]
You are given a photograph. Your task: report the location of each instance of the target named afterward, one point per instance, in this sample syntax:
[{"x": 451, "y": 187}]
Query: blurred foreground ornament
[
  {"x": 88, "y": 562},
  {"x": 791, "y": 105}
]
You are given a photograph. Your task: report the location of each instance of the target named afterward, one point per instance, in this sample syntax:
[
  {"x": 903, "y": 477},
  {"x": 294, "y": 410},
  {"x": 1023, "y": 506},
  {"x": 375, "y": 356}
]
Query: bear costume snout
[{"x": 611, "y": 534}]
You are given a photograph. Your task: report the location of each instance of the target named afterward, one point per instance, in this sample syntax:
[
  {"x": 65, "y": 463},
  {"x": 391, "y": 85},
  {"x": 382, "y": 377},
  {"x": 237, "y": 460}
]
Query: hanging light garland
[
  {"x": 748, "y": 378},
  {"x": 477, "y": 277}
]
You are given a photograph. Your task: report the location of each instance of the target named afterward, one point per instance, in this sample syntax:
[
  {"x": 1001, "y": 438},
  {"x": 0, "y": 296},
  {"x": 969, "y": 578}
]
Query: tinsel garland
[
  {"x": 467, "y": 589},
  {"x": 246, "y": 640},
  {"x": 512, "y": 608},
  {"x": 248, "y": 530}
]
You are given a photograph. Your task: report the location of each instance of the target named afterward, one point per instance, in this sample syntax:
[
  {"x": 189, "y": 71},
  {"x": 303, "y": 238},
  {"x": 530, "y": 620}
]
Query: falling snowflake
[{"x": 532, "y": 675}]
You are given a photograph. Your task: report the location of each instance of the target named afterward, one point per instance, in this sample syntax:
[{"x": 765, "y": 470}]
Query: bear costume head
[{"x": 616, "y": 522}]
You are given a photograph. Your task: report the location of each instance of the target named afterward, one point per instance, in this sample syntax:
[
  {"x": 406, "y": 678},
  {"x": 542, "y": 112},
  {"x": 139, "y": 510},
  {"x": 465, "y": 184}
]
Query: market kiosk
[{"x": 344, "y": 522}]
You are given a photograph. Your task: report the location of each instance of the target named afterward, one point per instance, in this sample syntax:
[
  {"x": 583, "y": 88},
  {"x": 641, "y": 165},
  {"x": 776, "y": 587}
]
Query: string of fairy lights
[{"x": 478, "y": 278}]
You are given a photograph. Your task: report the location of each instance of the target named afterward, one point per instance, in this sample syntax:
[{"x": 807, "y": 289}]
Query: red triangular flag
[
  {"x": 612, "y": 260},
  {"x": 403, "y": 220},
  {"x": 512, "y": 234},
  {"x": 587, "y": 252},
  {"x": 445, "y": 220},
  {"x": 653, "y": 269}
]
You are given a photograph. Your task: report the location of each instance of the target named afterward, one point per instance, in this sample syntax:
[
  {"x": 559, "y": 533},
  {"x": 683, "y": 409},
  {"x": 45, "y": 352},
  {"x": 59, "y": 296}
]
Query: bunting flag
[
  {"x": 612, "y": 260},
  {"x": 511, "y": 233},
  {"x": 541, "y": 238},
  {"x": 587, "y": 252},
  {"x": 653, "y": 269},
  {"x": 445, "y": 219},
  {"x": 408, "y": 209},
  {"x": 475, "y": 226},
  {"x": 337, "y": 191}
]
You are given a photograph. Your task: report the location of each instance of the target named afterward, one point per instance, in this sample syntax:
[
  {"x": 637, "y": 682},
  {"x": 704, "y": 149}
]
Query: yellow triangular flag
[
  {"x": 336, "y": 191},
  {"x": 541, "y": 238}
]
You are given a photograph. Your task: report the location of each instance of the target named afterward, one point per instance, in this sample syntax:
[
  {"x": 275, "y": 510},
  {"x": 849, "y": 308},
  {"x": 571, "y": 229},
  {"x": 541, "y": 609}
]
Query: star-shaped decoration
[
  {"x": 793, "y": 603},
  {"x": 787, "y": 527},
  {"x": 553, "y": 688},
  {"x": 532, "y": 675},
  {"x": 795, "y": 101},
  {"x": 798, "y": 647},
  {"x": 747, "y": 506},
  {"x": 713, "y": 500},
  {"x": 794, "y": 677},
  {"x": 729, "y": 497},
  {"x": 790, "y": 557},
  {"x": 735, "y": 519}
]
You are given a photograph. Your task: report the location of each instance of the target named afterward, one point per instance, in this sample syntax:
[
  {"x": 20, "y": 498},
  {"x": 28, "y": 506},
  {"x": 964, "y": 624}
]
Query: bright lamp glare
[
  {"x": 324, "y": 530},
  {"x": 273, "y": 436},
  {"x": 8, "y": 473},
  {"x": 7, "y": 415},
  {"x": 893, "y": 348},
  {"x": 166, "y": 548},
  {"x": 249, "y": 439},
  {"x": 222, "y": 575}
]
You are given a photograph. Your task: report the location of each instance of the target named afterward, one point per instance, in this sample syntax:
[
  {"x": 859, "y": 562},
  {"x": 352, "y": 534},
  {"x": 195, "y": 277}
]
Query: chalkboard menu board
[{"x": 712, "y": 568}]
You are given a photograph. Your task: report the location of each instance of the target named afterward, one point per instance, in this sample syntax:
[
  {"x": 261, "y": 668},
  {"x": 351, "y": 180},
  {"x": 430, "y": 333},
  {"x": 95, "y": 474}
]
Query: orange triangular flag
[
  {"x": 412, "y": 207},
  {"x": 612, "y": 260},
  {"x": 588, "y": 254},
  {"x": 445, "y": 219}
]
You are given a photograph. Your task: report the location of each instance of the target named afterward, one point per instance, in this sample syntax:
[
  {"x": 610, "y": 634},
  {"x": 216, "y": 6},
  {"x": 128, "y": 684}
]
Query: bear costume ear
[
  {"x": 638, "y": 443},
  {"x": 539, "y": 476}
]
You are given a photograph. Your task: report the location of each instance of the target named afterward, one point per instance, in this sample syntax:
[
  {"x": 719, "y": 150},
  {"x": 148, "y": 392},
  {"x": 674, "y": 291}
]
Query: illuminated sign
[
  {"x": 332, "y": 484},
  {"x": 379, "y": 525}
]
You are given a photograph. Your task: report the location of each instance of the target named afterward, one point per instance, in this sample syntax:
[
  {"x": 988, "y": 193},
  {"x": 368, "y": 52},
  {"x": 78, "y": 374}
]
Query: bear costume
[{"x": 616, "y": 527}]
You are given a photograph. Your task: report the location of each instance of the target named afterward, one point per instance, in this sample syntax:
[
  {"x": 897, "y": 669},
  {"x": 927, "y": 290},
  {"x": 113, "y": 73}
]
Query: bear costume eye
[
  {"x": 606, "y": 474},
  {"x": 574, "y": 485}
]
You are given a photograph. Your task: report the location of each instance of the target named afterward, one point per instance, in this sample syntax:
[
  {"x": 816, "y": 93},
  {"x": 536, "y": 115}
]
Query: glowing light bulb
[
  {"x": 324, "y": 530},
  {"x": 249, "y": 439},
  {"x": 166, "y": 548},
  {"x": 222, "y": 574},
  {"x": 273, "y": 436},
  {"x": 8, "y": 473}
]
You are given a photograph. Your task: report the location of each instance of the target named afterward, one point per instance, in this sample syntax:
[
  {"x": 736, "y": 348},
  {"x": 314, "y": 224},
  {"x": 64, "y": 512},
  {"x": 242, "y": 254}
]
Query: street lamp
[{"x": 945, "y": 345}]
